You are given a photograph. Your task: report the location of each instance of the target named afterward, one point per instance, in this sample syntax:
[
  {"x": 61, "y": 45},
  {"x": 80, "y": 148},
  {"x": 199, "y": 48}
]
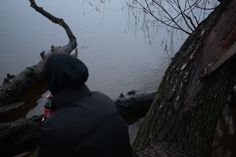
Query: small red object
[
  {"x": 47, "y": 112},
  {"x": 47, "y": 108}
]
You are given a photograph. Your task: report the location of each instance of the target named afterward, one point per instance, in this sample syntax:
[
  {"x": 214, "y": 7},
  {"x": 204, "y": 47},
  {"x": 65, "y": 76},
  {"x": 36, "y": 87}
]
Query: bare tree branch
[
  {"x": 184, "y": 16},
  {"x": 53, "y": 19},
  {"x": 176, "y": 14},
  {"x": 170, "y": 16},
  {"x": 13, "y": 88},
  {"x": 149, "y": 11}
]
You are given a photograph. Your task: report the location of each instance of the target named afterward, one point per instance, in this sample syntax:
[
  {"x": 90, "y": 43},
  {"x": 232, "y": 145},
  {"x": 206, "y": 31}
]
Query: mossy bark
[{"x": 182, "y": 119}]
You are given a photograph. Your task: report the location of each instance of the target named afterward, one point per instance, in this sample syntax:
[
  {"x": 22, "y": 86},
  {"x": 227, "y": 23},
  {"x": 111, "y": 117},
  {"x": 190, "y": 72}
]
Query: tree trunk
[{"x": 182, "y": 119}]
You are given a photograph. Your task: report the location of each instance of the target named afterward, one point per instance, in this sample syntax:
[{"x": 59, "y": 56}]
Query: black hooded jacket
[{"x": 84, "y": 123}]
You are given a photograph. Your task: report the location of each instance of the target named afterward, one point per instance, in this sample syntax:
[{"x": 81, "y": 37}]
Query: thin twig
[
  {"x": 184, "y": 16},
  {"x": 54, "y": 19},
  {"x": 167, "y": 13}
]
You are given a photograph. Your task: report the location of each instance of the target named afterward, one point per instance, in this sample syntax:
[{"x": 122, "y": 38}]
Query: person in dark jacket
[{"x": 84, "y": 123}]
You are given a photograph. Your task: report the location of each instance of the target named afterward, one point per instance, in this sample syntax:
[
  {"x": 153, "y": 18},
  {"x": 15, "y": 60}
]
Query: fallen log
[
  {"x": 8, "y": 109},
  {"x": 13, "y": 88},
  {"x": 135, "y": 106},
  {"x": 21, "y": 135}
]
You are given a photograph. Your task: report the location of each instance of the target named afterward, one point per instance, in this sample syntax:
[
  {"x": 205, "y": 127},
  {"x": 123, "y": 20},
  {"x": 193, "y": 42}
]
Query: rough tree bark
[{"x": 182, "y": 119}]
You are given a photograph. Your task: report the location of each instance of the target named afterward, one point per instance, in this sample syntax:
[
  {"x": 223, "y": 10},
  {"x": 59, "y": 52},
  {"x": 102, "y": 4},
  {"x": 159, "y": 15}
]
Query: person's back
[{"x": 84, "y": 123}]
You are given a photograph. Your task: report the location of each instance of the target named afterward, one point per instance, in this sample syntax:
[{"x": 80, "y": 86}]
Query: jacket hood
[{"x": 65, "y": 71}]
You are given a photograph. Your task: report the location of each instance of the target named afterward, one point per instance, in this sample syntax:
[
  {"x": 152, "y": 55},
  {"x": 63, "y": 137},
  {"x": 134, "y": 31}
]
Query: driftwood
[
  {"x": 135, "y": 106},
  {"x": 13, "y": 88},
  {"x": 21, "y": 135},
  {"x": 8, "y": 109}
]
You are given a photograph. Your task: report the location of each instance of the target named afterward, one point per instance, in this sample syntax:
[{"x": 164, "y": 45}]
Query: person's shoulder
[
  {"x": 52, "y": 124},
  {"x": 100, "y": 94},
  {"x": 104, "y": 101},
  {"x": 52, "y": 128},
  {"x": 47, "y": 126}
]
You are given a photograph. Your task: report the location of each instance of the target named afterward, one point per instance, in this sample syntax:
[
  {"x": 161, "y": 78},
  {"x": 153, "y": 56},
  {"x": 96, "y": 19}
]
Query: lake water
[{"x": 118, "y": 57}]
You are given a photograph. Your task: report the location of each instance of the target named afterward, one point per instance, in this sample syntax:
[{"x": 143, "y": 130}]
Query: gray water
[{"x": 119, "y": 59}]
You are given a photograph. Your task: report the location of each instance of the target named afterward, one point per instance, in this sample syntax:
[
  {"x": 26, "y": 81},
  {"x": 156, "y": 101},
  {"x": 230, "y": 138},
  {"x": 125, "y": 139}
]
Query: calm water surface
[{"x": 118, "y": 59}]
